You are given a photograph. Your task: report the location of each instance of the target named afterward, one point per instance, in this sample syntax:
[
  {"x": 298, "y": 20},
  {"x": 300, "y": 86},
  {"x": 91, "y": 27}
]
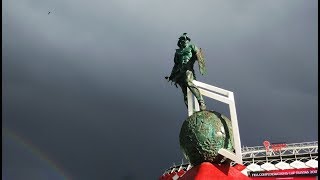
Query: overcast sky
[{"x": 85, "y": 84}]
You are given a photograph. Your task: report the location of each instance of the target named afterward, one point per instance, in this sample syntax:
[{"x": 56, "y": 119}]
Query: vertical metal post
[
  {"x": 196, "y": 104},
  {"x": 190, "y": 104},
  {"x": 235, "y": 128}
]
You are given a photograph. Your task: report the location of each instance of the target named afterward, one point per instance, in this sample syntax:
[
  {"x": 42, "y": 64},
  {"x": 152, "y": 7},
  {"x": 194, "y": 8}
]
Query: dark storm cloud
[{"x": 86, "y": 83}]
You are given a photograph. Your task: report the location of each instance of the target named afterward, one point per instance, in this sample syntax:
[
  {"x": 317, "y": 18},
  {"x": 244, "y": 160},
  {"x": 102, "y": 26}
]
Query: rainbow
[{"x": 26, "y": 144}]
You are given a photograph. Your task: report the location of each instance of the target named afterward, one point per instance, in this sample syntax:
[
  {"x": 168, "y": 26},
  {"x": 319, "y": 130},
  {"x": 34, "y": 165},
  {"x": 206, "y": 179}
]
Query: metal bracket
[{"x": 224, "y": 96}]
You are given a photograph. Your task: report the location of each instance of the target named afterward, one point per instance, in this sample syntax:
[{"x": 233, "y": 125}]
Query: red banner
[
  {"x": 284, "y": 178},
  {"x": 285, "y": 173}
]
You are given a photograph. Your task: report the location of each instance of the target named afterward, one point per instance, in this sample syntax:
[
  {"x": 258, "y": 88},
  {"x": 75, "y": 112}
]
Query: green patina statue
[
  {"x": 203, "y": 134},
  {"x": 183, "y": 73}
]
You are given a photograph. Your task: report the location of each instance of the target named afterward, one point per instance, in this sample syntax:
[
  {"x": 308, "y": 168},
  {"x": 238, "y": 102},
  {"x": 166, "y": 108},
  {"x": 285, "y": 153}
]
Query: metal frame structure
[
  {"x": 224, "y": 96},
  {"x": 302, "y": 152},
  {"x": 292, "y": 152}
]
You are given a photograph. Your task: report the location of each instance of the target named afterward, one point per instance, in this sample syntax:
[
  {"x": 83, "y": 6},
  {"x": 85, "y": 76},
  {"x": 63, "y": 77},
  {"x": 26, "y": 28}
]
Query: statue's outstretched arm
[{"x": 174, "y": 71}]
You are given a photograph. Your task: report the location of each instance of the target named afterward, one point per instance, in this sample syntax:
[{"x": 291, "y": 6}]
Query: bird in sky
[{"x": 49, "y": 12}]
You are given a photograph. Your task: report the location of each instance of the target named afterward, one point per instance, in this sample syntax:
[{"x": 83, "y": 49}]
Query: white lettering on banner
[
  {"x": 284, "y": 173},
  {"x": 313, "y": 171}
]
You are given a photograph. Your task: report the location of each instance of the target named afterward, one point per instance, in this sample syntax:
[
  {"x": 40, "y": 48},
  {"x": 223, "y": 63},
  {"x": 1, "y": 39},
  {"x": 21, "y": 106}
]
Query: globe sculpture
[{"x": 203, "y": 134}]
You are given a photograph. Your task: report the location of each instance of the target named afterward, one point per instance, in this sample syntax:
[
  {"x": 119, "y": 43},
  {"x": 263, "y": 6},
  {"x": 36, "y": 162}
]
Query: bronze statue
[{"x": 183, "y": 73}]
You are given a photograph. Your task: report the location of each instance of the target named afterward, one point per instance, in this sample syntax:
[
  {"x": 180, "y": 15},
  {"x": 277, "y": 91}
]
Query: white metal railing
[
  {"x": 290, "y": 149},
  {"x": 224, "y": 96},
  {"x": 295, "y": 151},
  {"x": 262, "y": 148}
]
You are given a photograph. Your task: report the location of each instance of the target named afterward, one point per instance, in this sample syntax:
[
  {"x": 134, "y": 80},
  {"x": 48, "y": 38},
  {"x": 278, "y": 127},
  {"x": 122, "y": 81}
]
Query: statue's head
[{"x": 183, "y": 40}]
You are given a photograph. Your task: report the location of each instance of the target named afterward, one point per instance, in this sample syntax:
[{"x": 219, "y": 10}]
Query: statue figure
[{"x": 183, "y": 73}]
